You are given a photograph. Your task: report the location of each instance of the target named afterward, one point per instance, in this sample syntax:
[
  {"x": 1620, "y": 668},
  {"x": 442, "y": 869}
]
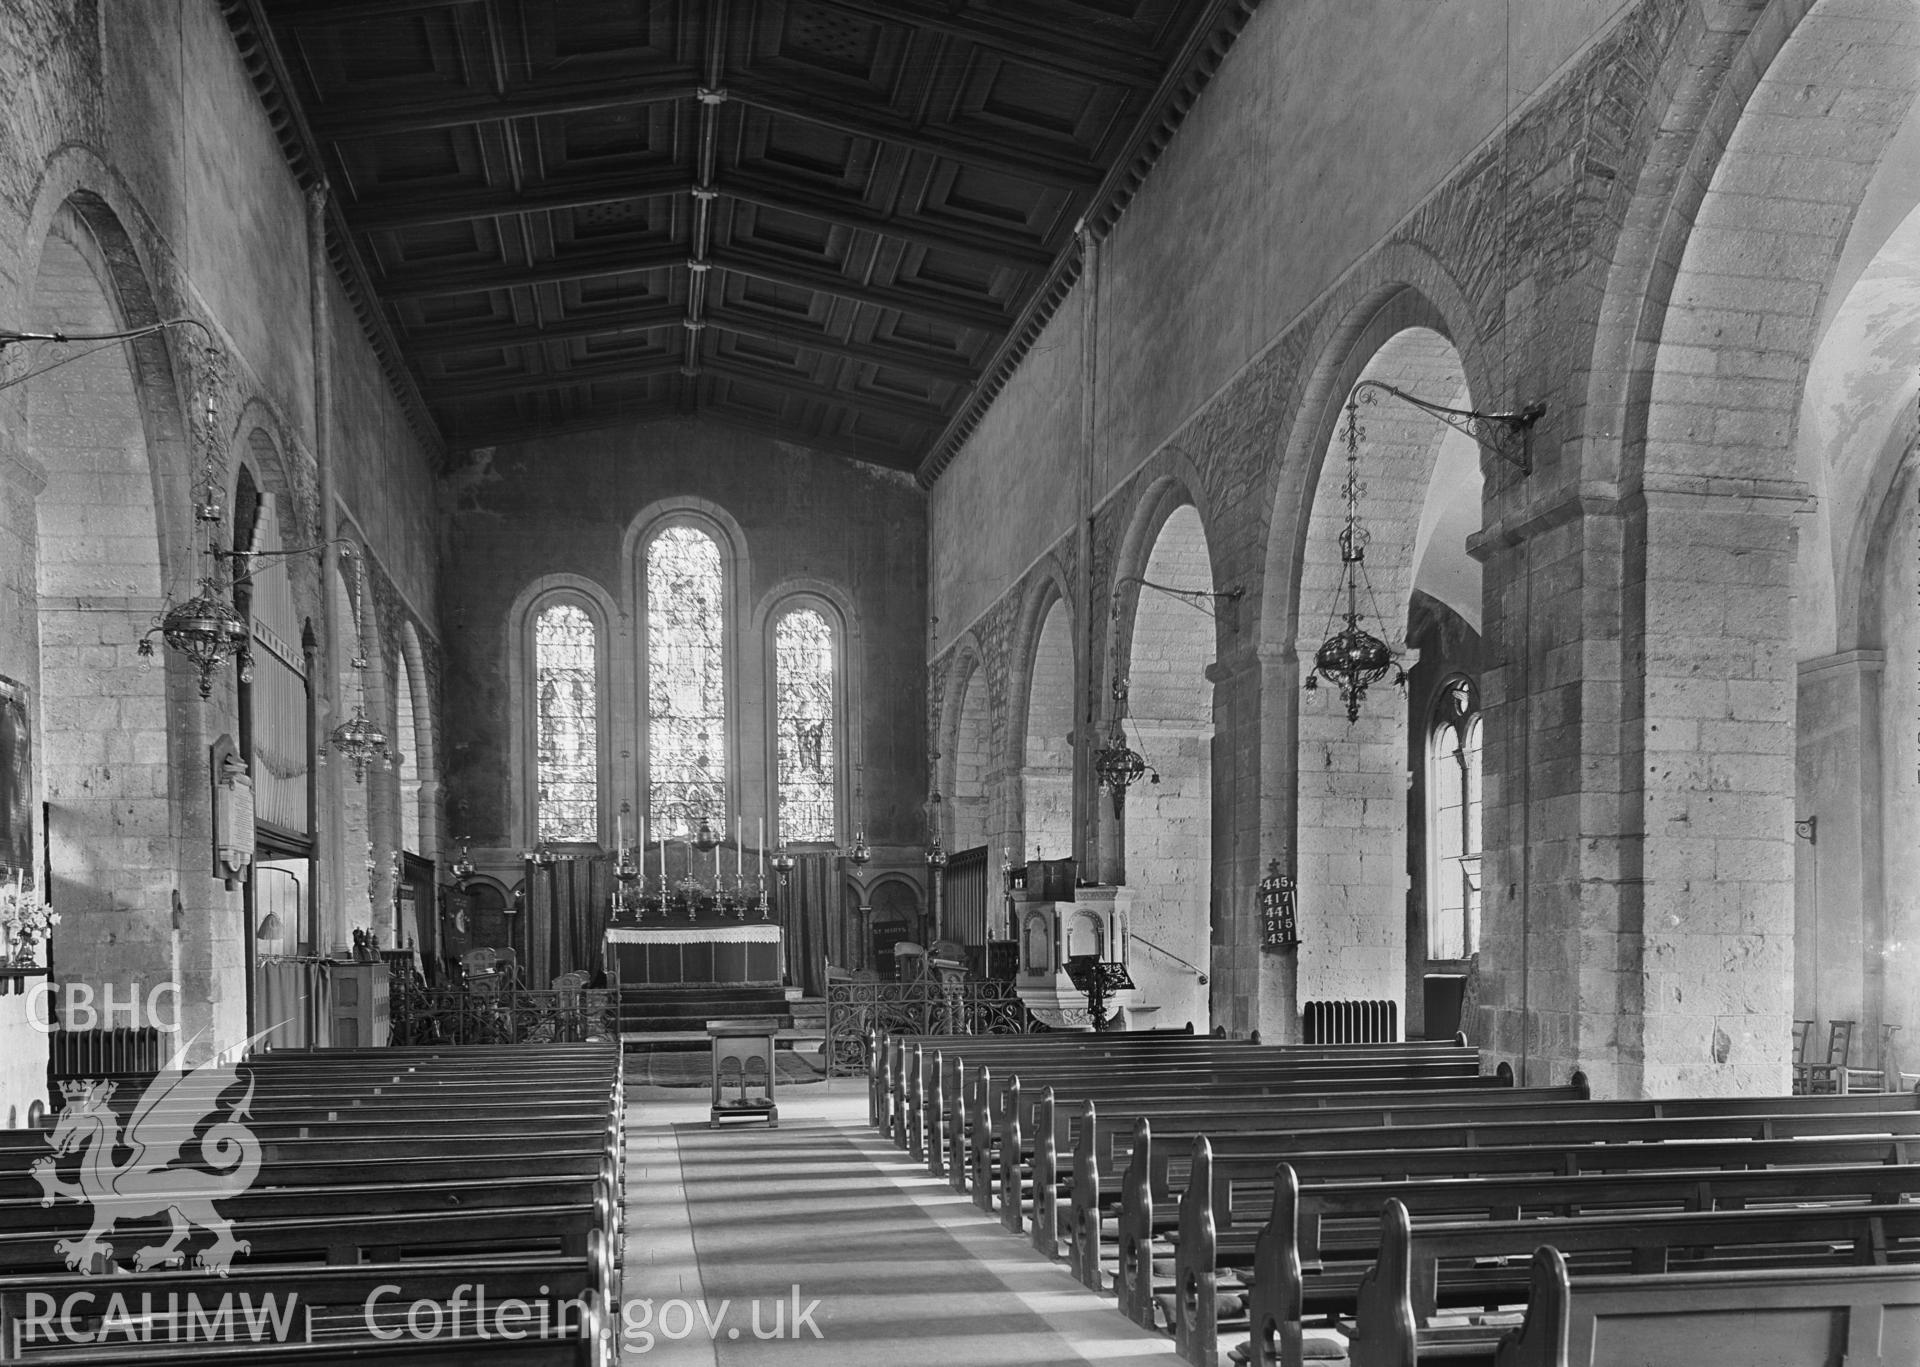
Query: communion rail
[
  {"x": 509, "y": 1015},
  {"x": 925, "y": 1007}
]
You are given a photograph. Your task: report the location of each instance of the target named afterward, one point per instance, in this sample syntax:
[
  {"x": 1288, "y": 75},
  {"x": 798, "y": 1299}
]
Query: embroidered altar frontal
[{"x": 670, "y": 955}]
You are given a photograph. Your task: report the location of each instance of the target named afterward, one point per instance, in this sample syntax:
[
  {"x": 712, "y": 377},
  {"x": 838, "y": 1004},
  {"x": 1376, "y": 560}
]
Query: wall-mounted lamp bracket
[{"x": 1506, "y": 435}]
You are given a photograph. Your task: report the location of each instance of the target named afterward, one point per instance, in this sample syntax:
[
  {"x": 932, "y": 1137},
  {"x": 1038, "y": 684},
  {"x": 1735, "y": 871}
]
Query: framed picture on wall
[{"x": 16, "y": 782}]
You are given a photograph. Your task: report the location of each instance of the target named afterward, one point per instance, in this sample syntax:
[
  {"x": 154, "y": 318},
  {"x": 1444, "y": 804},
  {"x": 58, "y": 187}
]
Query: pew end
[
  {"x": 1541, "y": 1340},
  {"x": 1385, "y": 1334},
  {"x": 1133, "y": 1280},
  {"x": 1277, "y": 1309}
]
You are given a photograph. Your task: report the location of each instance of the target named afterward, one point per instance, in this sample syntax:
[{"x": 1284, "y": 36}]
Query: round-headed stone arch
[
  {"x": 1685, "y": 980},
  {"x": 1046, "y": 773},
  {"x": 121, "y": 739},
  {"x": 1857, "y": 622},
  {"x": 1166, "y": 833},
  {"x": 966, "y": 755},
  {"x": 1419, "y": 494}
]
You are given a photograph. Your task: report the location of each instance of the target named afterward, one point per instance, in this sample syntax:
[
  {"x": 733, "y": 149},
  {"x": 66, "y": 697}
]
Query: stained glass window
[
  {"x": 803, "y": 725},
  {"x": 1453, "y": 823},
  {"x": 568, "y": 724},
  {"x": 686, "y": 683}
]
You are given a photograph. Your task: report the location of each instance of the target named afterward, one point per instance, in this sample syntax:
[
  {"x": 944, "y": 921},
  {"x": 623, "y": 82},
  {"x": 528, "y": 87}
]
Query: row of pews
[
  {"x": 420, "y": 1205},
  {"x": 1250, "y": 1198}
]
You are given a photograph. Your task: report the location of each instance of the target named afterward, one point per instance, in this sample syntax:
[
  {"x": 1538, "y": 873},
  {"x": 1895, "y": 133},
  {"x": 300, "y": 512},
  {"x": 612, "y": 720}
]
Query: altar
[{"x": 666, "y": 954}]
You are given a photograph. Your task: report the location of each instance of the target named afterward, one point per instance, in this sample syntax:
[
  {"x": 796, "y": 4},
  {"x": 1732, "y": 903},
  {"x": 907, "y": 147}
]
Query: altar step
[{"x": 676, "y": 1017}]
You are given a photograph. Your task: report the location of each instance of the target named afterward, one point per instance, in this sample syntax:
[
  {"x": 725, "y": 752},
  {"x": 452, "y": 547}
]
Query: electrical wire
[{"x": 105, "y": 339}]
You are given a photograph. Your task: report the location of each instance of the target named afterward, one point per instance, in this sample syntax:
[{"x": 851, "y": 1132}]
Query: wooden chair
[
  {"x": 1884, "y": 1077},
  {"x": 1802, "y": 1040},
  {"x": 1831, "y": 1076}
]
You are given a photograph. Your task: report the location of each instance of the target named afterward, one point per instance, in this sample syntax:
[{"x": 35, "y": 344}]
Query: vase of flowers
[{"x": 26, "y": 921}]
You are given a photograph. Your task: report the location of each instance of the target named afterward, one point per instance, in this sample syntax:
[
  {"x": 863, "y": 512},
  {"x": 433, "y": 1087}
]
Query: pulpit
[{"x": 1091, "y": 926}]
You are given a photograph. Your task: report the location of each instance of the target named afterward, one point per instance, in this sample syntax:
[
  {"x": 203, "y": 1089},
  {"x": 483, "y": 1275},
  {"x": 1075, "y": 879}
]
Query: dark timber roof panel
[{"x": 843, "y": 221}]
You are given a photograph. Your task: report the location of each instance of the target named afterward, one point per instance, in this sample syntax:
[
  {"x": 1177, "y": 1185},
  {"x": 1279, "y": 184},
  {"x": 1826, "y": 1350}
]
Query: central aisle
[{"x": 739, "y": 1234}]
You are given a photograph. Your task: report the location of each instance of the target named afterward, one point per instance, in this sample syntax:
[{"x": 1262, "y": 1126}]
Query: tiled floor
[{"x": 733, "y": 1235}]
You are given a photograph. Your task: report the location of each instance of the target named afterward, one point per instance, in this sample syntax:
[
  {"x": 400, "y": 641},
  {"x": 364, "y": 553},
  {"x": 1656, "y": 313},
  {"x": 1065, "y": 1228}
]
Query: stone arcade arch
[
  {"x": 1046, "y": 773},
  {"x": 1167, "y": 829},
  {"x": 1362, "y": 936},
  {"x": 1680, "y": 895},
  {"x": 967, "y": 757},
  {"x": 122, "y": 741},
  {"x": 1856, "y": 589}
]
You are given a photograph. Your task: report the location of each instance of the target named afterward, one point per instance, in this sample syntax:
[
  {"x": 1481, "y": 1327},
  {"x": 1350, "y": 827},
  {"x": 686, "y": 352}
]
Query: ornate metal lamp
[
  {"x": 1116, "y": 765},
  {"x": 462, "y": 868},
  {"x": 206, "y": 629},
  {"x": 704, "y": 839},
  {"x": 1353, "y": 659},
  {"x": 359, "y": 738},
  {"x": 783, "y": 862}
]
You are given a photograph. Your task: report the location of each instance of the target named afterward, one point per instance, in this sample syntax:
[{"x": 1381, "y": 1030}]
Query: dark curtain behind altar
[
  {"x": 566, "y": 911},
  {"x": 813, "y": 920}
]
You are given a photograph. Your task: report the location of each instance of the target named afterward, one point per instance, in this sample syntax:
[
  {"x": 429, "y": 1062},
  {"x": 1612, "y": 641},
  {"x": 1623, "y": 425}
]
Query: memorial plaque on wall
[{"x": 16, "y": 780}]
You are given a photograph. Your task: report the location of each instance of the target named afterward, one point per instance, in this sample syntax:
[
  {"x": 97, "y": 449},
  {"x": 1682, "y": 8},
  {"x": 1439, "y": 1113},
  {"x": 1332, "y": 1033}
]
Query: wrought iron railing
[
  {"x": 926, "y": 1007},
  {"x": 509, "y": 1015}
]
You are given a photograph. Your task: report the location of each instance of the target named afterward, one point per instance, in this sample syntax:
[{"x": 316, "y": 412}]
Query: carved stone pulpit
[{"x": 1093, "y": 924}]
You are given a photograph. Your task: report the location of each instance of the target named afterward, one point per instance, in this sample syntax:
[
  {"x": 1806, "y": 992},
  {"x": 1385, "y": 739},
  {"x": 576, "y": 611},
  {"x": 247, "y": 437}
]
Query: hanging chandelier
[
  {"x": 359, "y": 738},
  {"x": 206, "y": 629},
  {"x": 1353, "y": 659},
  {"x": 1116, "y": 765}
]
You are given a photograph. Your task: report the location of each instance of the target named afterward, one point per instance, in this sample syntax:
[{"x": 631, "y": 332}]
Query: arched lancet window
[
  {"x": 566, "y": 724},
  {"x": 406, "y": 749},
  {"x": 806, "y": 718},
  {"x": 1453, "y": 822},
  {"x": 686, "y": 682}
]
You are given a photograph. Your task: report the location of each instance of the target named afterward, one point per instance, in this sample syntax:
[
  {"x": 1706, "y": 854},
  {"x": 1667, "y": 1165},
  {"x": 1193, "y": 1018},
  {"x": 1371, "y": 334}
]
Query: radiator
[
  {"x": 102, "y": 1053},
  {"x": 1352, "y": 1022}
]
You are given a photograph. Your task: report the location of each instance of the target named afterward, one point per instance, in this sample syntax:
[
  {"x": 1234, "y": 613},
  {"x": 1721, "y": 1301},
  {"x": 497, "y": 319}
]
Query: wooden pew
[
  {"x": 885, "y": 1051},
  {"x": 1290, "y": 1244},
  {"x": 1421, "y": 1270},
  {"x": 896, "y": 1087},
  {"x": 976, "y": 1113},
  {"x": 950, "y": 1108},
  {"x": 1105, "y": 1147},
  {"x": 1763, "y": 1318},
  {"x": 341, "y": 1300},
  {"x": 909, "y": 1064},
  {"x": 331, "y": 1143},
  {"x": 1154, "y": 1177}
]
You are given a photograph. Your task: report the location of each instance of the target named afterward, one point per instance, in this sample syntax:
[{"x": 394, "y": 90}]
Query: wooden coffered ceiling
[{"x": 841, "y": 221}]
